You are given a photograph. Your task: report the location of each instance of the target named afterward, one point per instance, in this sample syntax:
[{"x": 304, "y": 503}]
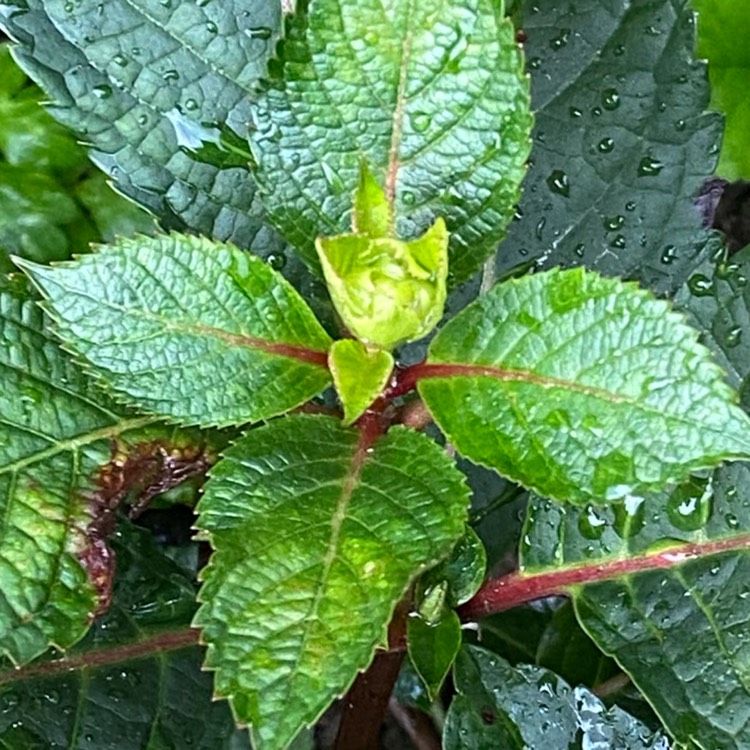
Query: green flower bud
[{"x": 386, "y": 291}]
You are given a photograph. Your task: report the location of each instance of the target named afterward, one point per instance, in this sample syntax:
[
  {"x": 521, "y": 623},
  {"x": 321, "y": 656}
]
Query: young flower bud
[{"x": 386, "y": 291}]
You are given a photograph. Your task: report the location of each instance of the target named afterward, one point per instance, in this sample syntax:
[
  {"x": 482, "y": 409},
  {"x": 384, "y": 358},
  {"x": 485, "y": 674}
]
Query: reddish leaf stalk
[{"x": 512, "y": 590}]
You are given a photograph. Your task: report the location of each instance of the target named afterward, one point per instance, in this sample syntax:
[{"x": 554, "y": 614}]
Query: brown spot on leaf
[
  {"x": 488, "y": 715},
  {"x": 521, "y": 36},
  {"x": 139, "y": 473}
]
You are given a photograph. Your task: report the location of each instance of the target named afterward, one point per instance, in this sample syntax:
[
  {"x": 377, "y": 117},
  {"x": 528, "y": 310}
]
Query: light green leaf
[
  {"x": 622, "y": 140},
  {"x": 582, "y": 388},
  {"x": 725, "y": 48},
  {"x": 197, "y": 331},
  {"x": 359, "y": 374},
  {"x": 317, "y": 536},
  {"x": 499, "y": 707},
  {"x": 677, "y": 567},
  {"x": 433, "y": 647},
  {"x": 162, "y": 92},
  {"x": 58, "y": 473},
  {"x": 386, "y": 291},
  {"x": 134, "y": 682},
  {"x": 430, "y": 94}
]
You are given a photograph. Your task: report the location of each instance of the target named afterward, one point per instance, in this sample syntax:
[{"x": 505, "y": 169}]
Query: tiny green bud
[{"x": 386, "y": 291}]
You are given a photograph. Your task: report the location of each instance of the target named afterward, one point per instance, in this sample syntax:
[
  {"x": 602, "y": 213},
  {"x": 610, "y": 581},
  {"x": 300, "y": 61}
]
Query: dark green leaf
[
  {"x": 431, "y": 94},
  {"x": 433, "y": 647},
  {"x": 728, "y": 67},
  {"x": 197, "y": 331},
  {"x": 622, "y": 140},
  {"x": 317, "y": 536},
  {"x": 683, "y": 581},
  {"x": 580, "y": 387},
  {"x": 134, "y": 683},
  {"x": 499, "y": 707},
  {"x": 162, "y": 92}
]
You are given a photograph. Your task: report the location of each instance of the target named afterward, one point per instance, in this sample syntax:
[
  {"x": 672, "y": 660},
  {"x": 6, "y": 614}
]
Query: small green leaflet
[
  {"x": 499, "y": 707},
  {"x": 359, "y": 374},
  {"x": 196, "y": 331},
  {"x": 583, "y": 388},
  {"x": 431, "y": 94},
  {"x": 316, "y": 536},
  {"x": 433, "y": 647}
]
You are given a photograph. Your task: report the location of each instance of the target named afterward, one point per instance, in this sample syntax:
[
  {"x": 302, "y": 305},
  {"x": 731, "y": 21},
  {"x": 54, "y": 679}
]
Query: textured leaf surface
[
  {"x": 134, "y": 682},
  {"x": 162, "y": 92},
  {"x": 580, "y": 387},
  {"x": 499, "y": 707},
  {"x": 431, "y": 94},
  {"x": 316, "y": 540},
  {"x": 721, "y": 43},
  {"x": 194, "y": 330},
  {"x": 683, "y": 581},
  {"x": 622, "y": 141},
  {"x": 57, "y": 438}
]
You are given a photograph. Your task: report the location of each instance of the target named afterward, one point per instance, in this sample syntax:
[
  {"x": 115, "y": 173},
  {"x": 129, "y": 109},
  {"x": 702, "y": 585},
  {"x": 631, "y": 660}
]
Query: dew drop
[
  {"x": 613, "y": 223},
  {"x": 580, "y": 250},
  {"x": 143, "y": 120},
  {"x": 121, "y": 60},
  {"x": 535, "y": 63},
  {"x": 619, "y": 50},
  {"x": 408, "y": 198},
  {"x": 560, "y": 40},
  {"x": 690, "y": 504},
  {"x": 170, "y": 75},
  {"x": 211, "y": 27},
  {"x": 630, "y": 206},
  {"x": 731, "y": 520},
  {"x": 558, "y": 183},
  {"x": 700, "y": 285},
  {"x": 276, "y": 261},
  {"x": 102, "y": 91},
  {"x": 726, "y": 270},
  {"x": 605, "y": 145},
  {"x": 679, "y": 126},
  {"x": 259, "y": 32},
  {"x": 420, "y": 122},
  {"x": 539, "y": 229},
  {"x": 649, "y": 167},
  {"x": 733, "y": 337},
  {"x": 575, "y": 112},
  {"x": 669, "y": 255},
  {"x": 610, "y": 99},
  {"x": 591, "y": 524}
]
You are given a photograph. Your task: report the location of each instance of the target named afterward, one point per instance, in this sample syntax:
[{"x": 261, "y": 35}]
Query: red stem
[{"x": 517, "y": 588}]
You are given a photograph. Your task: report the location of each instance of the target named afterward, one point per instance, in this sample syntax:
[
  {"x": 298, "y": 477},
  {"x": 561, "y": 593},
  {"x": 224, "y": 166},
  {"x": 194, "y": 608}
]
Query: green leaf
[
  {"x": 431, "y": 95},
  {"x": 433, "y": 647},
  {"x": 197, "y": 331},
  {"x": 668, "y": 571},
  {"x": 622, "y": 140},
  {"x": 134, "y": 682},
  {"x": 582, "y": 388},
  {"x": 496, "y": 702},
  {"x": 463, "y": 571},
  {"x": 162, "y": 92},
  {"x": 359, "y": 374},
  {"x": 39, "y": 220},
  {"x": 65, "y": 451},
  {"x": 728, "y": 68},
  {"x": 317, "y": 536}
]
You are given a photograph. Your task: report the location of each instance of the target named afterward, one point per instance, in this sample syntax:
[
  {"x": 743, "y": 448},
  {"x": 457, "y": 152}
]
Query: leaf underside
[
  {"x": 186, "y": 328},
  {"x": 431, "y": 95},
  {"x": 316, "y": 538},
  {"x": 582, "y": 388},
  {"x": 162, "y": 93}
]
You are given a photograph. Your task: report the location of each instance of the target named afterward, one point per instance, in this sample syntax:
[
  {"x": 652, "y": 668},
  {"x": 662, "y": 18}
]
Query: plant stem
[
  {"x": 506, "y": 592},
  {"x": 366, "y": 703},
  {"x": 100, "y": 657}
]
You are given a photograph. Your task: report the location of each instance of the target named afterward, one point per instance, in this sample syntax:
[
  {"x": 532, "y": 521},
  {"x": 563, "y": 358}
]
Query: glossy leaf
[
  {"x": 59, "y": 480},
  {"x": 134, "y": 682},
  {"x": 197, "y": 331},
  {"x": 622, "y": 141},
  {"x": 499, "y": 707},
  {"x": 432, "y": 95},
  {"x": 433, "y": 647},
  {"x": 162, "y": 92},
  {"x": 316, "y": 538},
  {"x": 682, "y": 581},
  {"x": 360, "y": 375},
  {"x": 582, "y": 388},
  {"x": 728, "y": 68}
]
